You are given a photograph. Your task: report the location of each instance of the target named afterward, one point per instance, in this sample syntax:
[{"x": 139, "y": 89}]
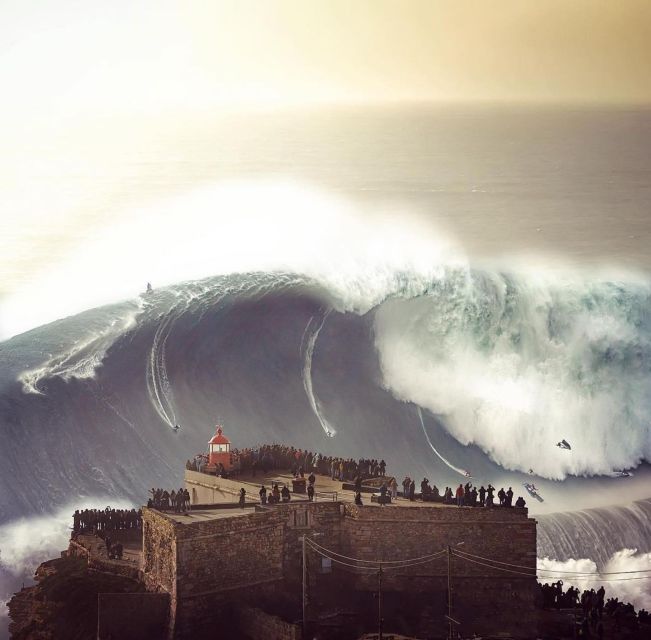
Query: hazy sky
[
  {"x": 154, "y": 54},
  {"x": 95, "y": 91}
]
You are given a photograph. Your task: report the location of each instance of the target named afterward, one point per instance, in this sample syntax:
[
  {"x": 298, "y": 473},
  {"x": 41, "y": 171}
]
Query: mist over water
[{"x": 26, "y": 542}]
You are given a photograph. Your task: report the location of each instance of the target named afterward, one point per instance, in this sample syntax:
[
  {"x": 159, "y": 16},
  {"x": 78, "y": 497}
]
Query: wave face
[
  {"x": 598, "y": 534},
  {"x": 456, "y": 369}
]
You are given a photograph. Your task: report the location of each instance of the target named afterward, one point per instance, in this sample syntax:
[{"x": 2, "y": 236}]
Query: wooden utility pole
[
  {"x": 379, "y": 604},
  {"x": 304, "y": 588},
  {"x": 449, "y": 593}
]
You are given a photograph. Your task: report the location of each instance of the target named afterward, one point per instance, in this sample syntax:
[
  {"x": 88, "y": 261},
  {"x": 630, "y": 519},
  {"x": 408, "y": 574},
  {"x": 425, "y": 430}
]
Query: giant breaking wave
[{"x": 489, "y": 368}]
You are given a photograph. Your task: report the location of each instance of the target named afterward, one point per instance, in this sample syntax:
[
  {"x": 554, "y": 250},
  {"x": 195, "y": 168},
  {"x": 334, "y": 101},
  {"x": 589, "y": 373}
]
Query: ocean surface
[{"x": 451, "y": 289}]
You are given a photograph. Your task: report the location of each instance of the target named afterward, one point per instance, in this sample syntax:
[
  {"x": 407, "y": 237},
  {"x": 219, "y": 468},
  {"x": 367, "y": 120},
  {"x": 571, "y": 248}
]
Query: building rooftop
[
  {"x": 203, "y": 515},
  {"x": 225, "y": 493}
]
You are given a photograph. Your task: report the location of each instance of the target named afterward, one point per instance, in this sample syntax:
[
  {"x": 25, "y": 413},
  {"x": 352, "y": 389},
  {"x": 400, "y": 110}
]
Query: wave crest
[{"x": 514, "y": 366}]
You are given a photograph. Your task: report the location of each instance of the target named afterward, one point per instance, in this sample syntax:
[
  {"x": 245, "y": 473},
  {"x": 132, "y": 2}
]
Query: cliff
[{"x": 63, "y": 603}]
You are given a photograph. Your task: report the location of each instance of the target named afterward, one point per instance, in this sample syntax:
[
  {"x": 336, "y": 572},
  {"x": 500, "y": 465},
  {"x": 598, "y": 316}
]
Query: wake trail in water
[
  {"x": 317, "y": 409},
  {"x": 158, "y": 384},
  {"x": 463, "y": 472}
]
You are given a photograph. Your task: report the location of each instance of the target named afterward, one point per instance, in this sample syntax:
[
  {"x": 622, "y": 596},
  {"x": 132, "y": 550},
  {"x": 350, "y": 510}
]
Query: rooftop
[{"x": 226, "y": 495}]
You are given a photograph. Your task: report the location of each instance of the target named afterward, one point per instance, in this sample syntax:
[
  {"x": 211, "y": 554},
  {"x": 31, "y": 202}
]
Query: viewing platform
[{"x": 214, "y": 497}]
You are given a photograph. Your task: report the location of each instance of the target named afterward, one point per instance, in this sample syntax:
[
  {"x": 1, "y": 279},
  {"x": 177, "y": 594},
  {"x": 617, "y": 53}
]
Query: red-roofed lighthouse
[{"x": 219, "y": 449}]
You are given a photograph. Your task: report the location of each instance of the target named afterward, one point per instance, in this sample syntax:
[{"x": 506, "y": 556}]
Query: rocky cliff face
[
  {"x": 30, "y": 610},
  {"x": 63, "y": 603}
]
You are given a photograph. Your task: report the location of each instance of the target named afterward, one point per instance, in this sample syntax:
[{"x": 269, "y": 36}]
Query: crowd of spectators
[
  {"x": 594, "y": 608},
  {"x": 103, "y": 522},
  {"x": 109, "y": 519},
  {"x": 464, "y": 495},
  {"x": 165, "y": 500},
  {"x": 278, "y": 457}
]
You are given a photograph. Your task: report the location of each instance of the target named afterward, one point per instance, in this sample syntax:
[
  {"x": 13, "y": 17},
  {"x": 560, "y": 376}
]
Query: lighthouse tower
[{"x": 219, "y": 449}]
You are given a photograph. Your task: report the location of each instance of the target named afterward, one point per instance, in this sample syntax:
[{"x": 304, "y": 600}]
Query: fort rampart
[{"x": 250, "y": 555}]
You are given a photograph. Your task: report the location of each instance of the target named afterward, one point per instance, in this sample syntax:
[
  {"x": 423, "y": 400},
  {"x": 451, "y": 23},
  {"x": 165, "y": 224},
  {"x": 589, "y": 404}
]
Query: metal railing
[{"x": 331, "y": 496}]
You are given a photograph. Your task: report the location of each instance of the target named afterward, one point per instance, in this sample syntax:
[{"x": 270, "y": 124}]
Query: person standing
[
  {"x": 412, "y": 490},
  {"x": 460, "y": 496},
  {"x": 393, "y": 485},
  {"x": 242, "y": 497},
  {"x": 490, "y": 495},
  {"x": 263, "y": 495}
]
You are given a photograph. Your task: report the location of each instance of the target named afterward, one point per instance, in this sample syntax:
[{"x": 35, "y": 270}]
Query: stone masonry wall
[
  {"x": 132, "y": 616},
  {"x": 248, "y": 556},
  {"x": 258, "y": 625},
  {"x": 207, "y": 489},
  {"x": 505, "y": 535},
  {"x": 227, "y": 553},
  {"x": 232, "y": 558},
  {"x": 159, "y": 551}
]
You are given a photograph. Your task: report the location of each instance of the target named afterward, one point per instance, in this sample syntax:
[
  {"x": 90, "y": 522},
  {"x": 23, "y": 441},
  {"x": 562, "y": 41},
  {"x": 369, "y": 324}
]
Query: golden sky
[{"x": 153, "y": 54}]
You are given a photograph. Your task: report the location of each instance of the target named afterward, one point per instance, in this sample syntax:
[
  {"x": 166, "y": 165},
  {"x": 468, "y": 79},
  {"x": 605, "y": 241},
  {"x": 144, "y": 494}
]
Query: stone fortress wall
[{"x": 250, "y": 554}]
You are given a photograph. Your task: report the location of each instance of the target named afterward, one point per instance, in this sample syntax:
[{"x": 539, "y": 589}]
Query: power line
[
  {"x": 405, "y": 563},
  {"x": 374, "y": 565},
  {"x": 534, "y": 575},
  {"x": 519, "y": 566},
  {"x": 426, "y": 558}
]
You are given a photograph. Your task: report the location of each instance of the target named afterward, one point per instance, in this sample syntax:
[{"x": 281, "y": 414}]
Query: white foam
[
  {"x": 235, "y": 227},
  {"x": 514, "y": 365},
  {"x": 82, "y": 358},
  {"x": 628, "y": 587},
  {"x": 27, "y": 542}
]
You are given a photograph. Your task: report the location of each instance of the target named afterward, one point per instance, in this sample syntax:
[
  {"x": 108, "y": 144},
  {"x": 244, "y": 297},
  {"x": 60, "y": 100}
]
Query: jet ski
[
  {"x": 533, "y": 492},
  {"x": 176, "y": 428},
  {"x": 564, "y": 444},
  {"x": 467, "y": 474},
  {"x": 621, "y": 474}
]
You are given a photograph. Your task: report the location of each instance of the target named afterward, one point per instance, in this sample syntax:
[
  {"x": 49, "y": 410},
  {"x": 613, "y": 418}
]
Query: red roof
[{"x": 219, "y": 438}]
